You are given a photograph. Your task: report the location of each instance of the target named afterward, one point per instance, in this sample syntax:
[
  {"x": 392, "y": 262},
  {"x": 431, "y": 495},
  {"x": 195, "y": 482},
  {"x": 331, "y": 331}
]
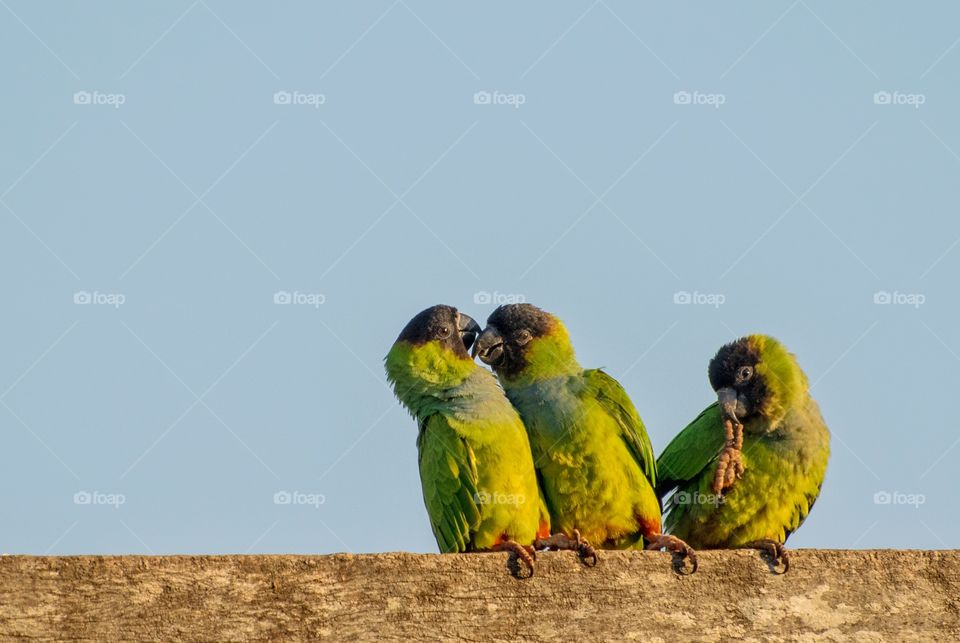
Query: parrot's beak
[
  {"x": 727, "y": 398},
  {"x": 469, "y": 329},
  {"x": 489, "y": 346}
]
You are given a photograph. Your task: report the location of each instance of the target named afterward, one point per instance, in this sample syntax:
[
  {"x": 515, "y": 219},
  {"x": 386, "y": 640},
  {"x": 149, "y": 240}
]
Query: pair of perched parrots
[{"x": 556, "y": 456}]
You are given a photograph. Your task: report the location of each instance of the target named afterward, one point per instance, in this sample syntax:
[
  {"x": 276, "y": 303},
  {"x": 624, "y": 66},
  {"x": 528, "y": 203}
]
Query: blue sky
[{"x": 215, "y": 219}]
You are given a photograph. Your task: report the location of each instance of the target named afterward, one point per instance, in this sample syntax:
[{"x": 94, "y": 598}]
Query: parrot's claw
[
  {"x": 730, "y": 466},
  {"x": 678, "y": 548},
  {"x": 775, "y": 551},
  {"x": 584, "y": 549},
  {"x": 525, "y": 554},
  {"x": 734, "y": 469}
]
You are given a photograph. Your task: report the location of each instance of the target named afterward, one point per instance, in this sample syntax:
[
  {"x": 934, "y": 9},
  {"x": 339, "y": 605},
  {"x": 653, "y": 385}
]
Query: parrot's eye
[
  {"x": 444, "y": 331},
  {"x": 744, "y": 373},
  {"x": 522, "y": 336}
]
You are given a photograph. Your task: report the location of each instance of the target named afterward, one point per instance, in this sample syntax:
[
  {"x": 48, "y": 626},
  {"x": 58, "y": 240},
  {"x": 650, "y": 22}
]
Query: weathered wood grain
[{"x": 827, "y": 595}]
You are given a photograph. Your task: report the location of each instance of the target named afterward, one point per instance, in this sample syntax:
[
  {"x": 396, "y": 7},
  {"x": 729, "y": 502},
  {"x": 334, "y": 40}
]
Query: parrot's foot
[
  {"x": 729, "y": 469},
  {"x": 730, "y": 463},
  {"x": 678, "y": 548},
  {"x": 584, "y": 549},
  {"x": 777, "y": 553},
  {"x": 525, "y": 554}
]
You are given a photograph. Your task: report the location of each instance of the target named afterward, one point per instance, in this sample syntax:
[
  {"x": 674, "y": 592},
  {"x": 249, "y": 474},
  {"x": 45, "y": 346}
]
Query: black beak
[
  {"x": 469, "y": 329},
  {"x": 489, "y": 346},
  {"x": 727, "y": 398}
]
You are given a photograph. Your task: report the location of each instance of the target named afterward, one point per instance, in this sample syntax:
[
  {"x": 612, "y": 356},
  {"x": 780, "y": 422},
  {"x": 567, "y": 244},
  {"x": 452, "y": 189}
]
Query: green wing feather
[
  {"x": 691, "y": 451},
  {"x": 616, "y": 402},
  {"x": 448, "y": 472}
]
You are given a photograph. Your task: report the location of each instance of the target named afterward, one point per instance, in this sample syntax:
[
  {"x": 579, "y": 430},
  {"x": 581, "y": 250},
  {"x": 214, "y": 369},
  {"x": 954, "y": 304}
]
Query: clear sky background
[{"x": 622, "y": 156}]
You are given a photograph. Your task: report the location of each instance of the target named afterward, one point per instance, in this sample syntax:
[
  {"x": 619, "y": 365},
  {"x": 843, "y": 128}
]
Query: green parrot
[
  {"x": 476, "y": 469},
  {"x": 589, "y": 445},
  {"x": 747, "y": 470}
]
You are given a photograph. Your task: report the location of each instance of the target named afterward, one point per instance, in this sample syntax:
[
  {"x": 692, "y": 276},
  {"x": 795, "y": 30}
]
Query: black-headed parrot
[
  {"x": 476, "y": 469},
  {"x": 589, "y": 445},
  {"x": 747, "y": 470}
]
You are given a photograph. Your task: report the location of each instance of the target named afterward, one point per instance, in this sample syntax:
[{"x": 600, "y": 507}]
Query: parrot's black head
[
  {"x": 510, "y": 328},
  {"x": 740, "y": 385},
  {"x": 444, "y": 324}
]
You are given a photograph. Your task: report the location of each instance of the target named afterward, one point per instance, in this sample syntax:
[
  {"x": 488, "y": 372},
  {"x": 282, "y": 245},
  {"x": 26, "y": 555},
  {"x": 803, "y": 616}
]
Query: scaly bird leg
[
  {"x": 730, "y": 464},
  {"x": 526, "y": 554},
  {"x": 578, "y": 544},
  {"x": 776, "y": 551},
  {"x": 675, "y": 546},
  {"x": 584, "y": 549}
]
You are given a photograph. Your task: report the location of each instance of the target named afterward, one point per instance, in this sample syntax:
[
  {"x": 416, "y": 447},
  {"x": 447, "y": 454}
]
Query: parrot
[
  {"x": 746, "y": 472},
  {"x": 589, "y": 445},
  {"x": 476, "y": 469}
]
